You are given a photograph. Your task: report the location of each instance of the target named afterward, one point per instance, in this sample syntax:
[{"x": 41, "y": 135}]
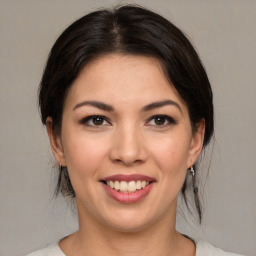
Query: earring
[
  {"x": 195, "y": 188},
  {"x": 192, "y": 171},
  {"x": 193, "y": 174}
]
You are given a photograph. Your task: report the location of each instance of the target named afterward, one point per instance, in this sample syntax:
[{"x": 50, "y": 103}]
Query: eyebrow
[
  {"x": 96, "y": 104},
  {"x": 151, "y": 106},
  {"x": 159, "y": 104}
]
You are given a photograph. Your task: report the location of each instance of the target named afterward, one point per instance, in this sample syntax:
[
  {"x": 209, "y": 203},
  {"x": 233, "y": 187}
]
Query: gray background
[{"x": 224, "y": 32}]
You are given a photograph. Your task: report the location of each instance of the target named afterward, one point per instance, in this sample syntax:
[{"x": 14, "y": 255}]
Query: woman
[{"x": 128, "y": 109}]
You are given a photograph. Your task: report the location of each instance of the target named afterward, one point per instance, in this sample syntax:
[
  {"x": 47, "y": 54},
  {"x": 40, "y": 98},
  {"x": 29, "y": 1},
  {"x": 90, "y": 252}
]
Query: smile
[{"x": 128, "y": 189}]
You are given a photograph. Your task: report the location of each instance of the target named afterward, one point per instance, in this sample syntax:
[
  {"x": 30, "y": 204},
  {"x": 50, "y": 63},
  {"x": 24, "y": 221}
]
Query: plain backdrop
[{"x": 224, "y": 33}]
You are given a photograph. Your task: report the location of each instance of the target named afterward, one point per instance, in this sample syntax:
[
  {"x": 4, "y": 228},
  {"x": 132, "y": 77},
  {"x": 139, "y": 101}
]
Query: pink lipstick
[{"x": 128, "y": 189}]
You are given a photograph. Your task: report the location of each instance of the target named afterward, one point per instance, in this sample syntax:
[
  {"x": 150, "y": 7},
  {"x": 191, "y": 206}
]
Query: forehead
[{"x": 117, "y": 78}]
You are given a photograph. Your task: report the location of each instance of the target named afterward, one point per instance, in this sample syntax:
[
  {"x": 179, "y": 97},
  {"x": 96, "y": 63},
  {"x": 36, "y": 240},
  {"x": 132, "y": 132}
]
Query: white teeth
[
  {"x": 117, "y": 185},
  {"x": 138, "y": 185},
  {"x": 125, "y": 187},
  {"x": 111, "y": 184},
  {"x": 131, "y": 186}
]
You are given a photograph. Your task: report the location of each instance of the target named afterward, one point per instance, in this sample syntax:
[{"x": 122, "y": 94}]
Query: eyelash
[
  {"x": 86, "y": 120},
  {"x": 167, "y": 121}
]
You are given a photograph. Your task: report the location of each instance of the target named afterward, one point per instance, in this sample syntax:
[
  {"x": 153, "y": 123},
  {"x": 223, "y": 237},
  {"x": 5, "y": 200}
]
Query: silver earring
[
  {"x": 193, "y": 174},
  {"x": 192, "y": 171},
  {"x": 195, "y": 188}
]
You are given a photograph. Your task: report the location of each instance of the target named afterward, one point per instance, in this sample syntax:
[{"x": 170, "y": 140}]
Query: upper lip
[{"x": 127, "y": 178}]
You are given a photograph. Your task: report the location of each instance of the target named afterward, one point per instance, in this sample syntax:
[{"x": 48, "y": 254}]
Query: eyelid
[
  {"x": 170, "y": 120},
  {"x": 85, "y": 120}
]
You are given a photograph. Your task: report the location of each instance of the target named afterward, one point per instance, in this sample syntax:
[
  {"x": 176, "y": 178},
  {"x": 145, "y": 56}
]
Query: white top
[{"x": 202, "y": 249}]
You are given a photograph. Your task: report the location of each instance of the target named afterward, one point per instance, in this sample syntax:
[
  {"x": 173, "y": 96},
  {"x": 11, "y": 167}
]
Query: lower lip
[{"x": 128, "y": 198}]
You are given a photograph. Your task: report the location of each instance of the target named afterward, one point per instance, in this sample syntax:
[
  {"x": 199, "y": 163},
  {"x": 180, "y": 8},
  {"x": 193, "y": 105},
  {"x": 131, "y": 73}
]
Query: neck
[{"x": 114, "y": 242}]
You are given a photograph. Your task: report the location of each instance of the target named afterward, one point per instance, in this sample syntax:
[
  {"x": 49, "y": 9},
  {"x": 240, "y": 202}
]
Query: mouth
[{"x": 127, "y": 188}]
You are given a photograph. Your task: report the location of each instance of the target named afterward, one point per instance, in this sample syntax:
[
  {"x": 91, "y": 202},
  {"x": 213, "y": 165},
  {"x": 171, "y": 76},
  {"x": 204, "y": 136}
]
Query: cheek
[
  {"x": 171, "y": 155},
  {"x": 85, "y": 156},
  {"x": 84, "y": 153}
]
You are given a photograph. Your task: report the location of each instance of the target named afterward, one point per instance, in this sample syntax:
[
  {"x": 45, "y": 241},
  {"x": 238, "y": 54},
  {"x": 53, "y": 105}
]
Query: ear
[
  {"x": 55, "y": 142},
  {"x": 196, "y": 143}
]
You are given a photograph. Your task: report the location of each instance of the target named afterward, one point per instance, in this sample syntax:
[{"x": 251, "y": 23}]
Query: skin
[{"x": 128, "y": 140}]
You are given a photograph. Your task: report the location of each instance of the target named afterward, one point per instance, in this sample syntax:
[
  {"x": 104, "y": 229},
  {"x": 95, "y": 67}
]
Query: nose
[{"x": 128, "y": 147}]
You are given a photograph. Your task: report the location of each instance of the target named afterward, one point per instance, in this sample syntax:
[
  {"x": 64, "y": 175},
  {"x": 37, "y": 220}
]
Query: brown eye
[
  {"x": 98, "y": 120},
  {"x": 160, "y": 120},
  {"x": 95, "y": 120}
]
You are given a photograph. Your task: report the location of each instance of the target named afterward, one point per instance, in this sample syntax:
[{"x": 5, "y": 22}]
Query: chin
[
  {"x": 129, "y": 220},
  {"x": 130, "y": 226}
]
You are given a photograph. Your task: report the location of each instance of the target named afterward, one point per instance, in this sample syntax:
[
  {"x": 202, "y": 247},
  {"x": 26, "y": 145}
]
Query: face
[{"x": 127, "y": 142}]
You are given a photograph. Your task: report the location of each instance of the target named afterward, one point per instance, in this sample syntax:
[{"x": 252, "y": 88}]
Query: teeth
[
  {"x": 131, "y": 186},
  {"x": 111, "y": 183},
  {"x": 125, "y": 187},
  {"x": 117, "y": 185},
  {"x": 138, "y": 185}
]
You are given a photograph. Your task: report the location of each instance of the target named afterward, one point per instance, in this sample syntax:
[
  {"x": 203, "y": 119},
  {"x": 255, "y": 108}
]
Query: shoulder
[
  {"x": 52, "y": 250},
  {"x": 206, "y": 249}
]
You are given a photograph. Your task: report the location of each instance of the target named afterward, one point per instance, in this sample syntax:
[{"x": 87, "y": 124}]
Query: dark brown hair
[{"x": 125, "y": 30}]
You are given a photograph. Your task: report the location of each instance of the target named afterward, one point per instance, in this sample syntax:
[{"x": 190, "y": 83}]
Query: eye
[
  {"x": 95, "y": 120},
  {"x": 161, "y": 120}
]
